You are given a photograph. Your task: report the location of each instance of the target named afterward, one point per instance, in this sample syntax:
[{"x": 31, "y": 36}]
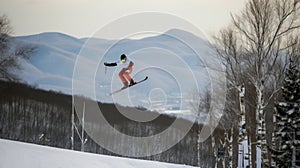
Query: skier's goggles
[{"x": 123, "y": 60}]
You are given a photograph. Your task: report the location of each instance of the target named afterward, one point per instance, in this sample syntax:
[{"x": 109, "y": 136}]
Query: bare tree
[
  {"x": 10, "y": 52},
  {"x": 200, "y": 106},
  {"x": 252, "y": 52},
  {"x": 74, "y": 127},
  {"x": 230, "y": 51}
]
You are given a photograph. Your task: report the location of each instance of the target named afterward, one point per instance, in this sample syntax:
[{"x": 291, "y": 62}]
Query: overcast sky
[{"x": 82, "y": 18}]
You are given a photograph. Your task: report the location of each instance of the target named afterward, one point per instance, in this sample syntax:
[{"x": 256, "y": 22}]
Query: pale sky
[{"x": 82, "y": 18}]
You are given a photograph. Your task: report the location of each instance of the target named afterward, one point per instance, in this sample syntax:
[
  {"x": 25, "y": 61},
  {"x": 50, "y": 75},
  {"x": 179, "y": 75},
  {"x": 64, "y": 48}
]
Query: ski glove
[
  {"x": 110, "y": 64},
  {"x": 131, "y": 63}
]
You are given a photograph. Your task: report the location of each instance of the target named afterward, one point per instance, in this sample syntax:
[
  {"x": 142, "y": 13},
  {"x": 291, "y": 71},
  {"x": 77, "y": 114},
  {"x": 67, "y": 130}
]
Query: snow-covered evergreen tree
[{"x": 286, "y": 138}]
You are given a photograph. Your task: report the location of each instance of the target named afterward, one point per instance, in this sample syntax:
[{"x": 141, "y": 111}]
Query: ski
[{"x": 117, "y": 91}]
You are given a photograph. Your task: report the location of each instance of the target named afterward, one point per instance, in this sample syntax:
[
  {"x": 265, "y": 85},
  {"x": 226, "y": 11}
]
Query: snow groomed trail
[{"x": 15, "y": 154}]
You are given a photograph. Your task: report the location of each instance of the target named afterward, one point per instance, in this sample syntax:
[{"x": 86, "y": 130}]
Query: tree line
[{"x": 44, "y": 117}]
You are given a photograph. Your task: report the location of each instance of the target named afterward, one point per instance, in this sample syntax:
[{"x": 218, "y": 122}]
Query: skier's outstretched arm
[{"x": 110, "y": 64}]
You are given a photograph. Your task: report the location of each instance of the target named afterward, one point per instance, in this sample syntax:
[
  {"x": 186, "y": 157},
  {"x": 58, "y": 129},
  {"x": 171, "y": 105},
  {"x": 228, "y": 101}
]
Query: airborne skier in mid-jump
[{"x": 126, "y": 69}]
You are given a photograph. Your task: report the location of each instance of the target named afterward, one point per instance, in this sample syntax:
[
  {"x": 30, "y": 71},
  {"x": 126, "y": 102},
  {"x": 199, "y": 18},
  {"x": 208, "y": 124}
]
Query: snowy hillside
[
  {"x": 174, "y": 68},
  {"x": 21, "y": 155}
]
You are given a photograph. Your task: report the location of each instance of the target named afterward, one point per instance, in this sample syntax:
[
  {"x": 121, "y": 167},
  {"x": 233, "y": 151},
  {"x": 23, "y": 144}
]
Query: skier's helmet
[{"x": 123, "y": 58}]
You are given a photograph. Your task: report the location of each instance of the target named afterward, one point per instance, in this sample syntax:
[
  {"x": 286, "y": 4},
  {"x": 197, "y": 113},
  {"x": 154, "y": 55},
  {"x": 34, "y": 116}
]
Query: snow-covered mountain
[
  {"x": 174, "y": 62},
  {"x": 16, "y": 154}
]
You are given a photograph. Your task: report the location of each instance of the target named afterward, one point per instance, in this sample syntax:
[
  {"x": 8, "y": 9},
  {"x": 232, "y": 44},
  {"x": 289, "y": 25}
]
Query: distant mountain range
[{"x": 169, "y": 59}]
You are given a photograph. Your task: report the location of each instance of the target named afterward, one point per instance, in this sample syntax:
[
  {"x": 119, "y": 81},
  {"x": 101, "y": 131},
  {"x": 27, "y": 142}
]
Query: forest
[{"x": 44, "y": 117}]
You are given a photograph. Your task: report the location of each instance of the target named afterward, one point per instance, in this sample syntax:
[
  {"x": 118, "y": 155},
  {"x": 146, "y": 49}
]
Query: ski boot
[
  {"x": 132, "y": 83},
  {"x": 125, "y": 85}
]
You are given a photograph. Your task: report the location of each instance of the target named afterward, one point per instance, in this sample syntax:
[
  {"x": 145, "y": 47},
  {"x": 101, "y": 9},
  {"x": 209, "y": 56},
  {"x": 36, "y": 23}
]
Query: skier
[{"x": 126, "y": 69}]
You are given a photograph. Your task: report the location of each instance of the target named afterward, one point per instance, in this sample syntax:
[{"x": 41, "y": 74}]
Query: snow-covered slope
[
  {"x": 21, "y": 155},
  {"x": 169, "y": 62}
]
